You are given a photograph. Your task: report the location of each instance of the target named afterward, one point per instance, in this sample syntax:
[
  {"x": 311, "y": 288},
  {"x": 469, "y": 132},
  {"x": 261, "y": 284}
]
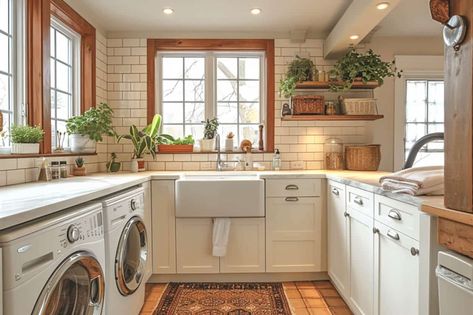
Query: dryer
[
  {"x": 126, "y": 252},
  {"x": 55, "y": 265}
]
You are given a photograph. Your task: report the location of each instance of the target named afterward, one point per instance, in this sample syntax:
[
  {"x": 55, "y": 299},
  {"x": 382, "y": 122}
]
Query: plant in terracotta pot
[
  {"x": 299, "y": 70},
  {"x": 144, "y": 142},
  {"x": 168, "y": 144},
  {"x": 207, "y": 144},
  {"x": 89, "y": 128},
  {"x": 113, "y": 166},
  {"x": 26, "y": 139},
  {"x": 79, "y": 168}
]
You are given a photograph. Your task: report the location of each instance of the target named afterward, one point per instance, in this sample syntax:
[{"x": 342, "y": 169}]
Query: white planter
[
  {"x": 137, "y": 165},
  {"x": 5, "y": 150},
  {"x": 207, "y": 145},
  {"x": 229, "y": 145},
  {"x": 25, "y": 148},
  {"x": 81, "y": 144}
]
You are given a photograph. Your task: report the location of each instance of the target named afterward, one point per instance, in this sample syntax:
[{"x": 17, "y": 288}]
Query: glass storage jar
[{"x": 333, "y": 150}]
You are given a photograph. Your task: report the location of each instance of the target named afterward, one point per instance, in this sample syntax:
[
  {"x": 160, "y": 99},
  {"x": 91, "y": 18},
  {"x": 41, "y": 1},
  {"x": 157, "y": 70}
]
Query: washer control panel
[
  {"x": 127, "y": 206},
  {"x": 84, "y": 229}
]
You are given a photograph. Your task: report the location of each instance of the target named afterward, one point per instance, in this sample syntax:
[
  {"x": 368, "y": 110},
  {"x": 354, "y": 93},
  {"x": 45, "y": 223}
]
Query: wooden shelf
[
  {"x": 326, "y": 85},
  {"x": 331, "y": 117}
]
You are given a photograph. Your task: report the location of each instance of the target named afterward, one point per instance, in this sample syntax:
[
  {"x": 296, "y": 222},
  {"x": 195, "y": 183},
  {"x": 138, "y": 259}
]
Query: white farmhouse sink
[{"x": 220, "y": 195}]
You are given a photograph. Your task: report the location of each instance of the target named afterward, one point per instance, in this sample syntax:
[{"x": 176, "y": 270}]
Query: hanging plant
[
  {"x": 299, "y": 70},
  {"x": 364, "y": 67}
]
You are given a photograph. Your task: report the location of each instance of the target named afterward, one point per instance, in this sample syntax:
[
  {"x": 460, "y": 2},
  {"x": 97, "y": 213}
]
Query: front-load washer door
[
  {"x": 132, "y": 252},
  {"x": 75, "y": 288}
]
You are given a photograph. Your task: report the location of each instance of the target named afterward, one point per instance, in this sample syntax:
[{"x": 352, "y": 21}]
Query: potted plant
[
  {"x": 89, "y": 128},
  {"x": 26, "y": 139},
  {"x": 229, "y": 142},
  {"x": 365, "y": 67},
  {"x": 79, "y": 168},
  {"x": 168, "y": 144},
  {"x": 300, "y": 69},
  {"x": 144, "y": 141},
  {"x": 113, "y": 166},
  {"x": 207, "y": 144}
]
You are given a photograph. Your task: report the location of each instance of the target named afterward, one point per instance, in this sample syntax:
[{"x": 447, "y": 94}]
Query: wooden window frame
[
  {"x": 39, "y": 14},
  {"x": 266, "y": 45}
]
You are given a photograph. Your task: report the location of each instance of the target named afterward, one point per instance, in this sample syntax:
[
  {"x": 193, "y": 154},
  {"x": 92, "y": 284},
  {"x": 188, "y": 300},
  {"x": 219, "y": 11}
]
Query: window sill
[
  {"x": 215, "y": 152},
  {"x": 24, "y": 156}
]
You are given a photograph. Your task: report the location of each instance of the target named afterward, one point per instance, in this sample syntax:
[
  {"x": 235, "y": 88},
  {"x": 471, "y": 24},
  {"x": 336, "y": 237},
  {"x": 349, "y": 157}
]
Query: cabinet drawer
[
  {"x": 398, "y": 237},
  {"x": 360, "y": 200},
  {"x": 293, "y": 187},
  {"x": 397, "y": 215}
]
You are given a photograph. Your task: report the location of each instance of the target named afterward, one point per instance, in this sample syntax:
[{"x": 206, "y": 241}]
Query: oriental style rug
[{"x": 223, "y": 299}]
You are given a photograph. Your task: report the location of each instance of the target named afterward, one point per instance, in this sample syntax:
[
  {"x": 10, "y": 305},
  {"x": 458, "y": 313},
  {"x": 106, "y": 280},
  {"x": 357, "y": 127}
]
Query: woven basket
[
  {"x": 362, "y": 157},
  {"x": 360, "y": 106},
  {"x": 308, "y": 105}
]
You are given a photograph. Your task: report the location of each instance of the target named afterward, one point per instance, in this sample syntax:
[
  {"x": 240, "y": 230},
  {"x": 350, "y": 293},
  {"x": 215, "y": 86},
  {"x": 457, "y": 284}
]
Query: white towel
[
  {"x": 221, "y": 231},
  {"x": 416, "y": 181}
]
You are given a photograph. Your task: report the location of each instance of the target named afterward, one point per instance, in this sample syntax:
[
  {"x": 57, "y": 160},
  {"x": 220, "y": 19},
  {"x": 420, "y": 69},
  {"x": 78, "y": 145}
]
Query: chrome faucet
[{"x": 220, "y": 163}]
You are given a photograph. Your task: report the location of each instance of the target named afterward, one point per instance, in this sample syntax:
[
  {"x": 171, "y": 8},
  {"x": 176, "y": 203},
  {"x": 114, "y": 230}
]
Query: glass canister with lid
[{"x": 333, "y": 151}]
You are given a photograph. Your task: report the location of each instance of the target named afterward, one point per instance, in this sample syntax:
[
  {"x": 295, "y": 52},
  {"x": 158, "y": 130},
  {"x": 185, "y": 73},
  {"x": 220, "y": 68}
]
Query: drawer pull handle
[
  {"x": 292, "y": 199},
  {"x": 375, "y": 231},
  {"x": 335, "y": 191},
  {"x": 394, "y": 214},
  {"x": 393, "y": 235},
  {"x": 292, "y": 187},
  {"x": 346, "y": 214},
  {"x": 414, "y": 251},
  {"x": 358, "y": 201}
]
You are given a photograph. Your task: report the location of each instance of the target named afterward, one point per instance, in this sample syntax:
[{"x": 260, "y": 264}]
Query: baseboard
[{"x": 247, "y": 277}]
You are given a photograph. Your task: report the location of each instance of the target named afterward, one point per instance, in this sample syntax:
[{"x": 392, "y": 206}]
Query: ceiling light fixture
[
  {"x": 382, "y": 5},
  {"x": 168, "y": 11},
  {"x": 354, "y": 37},
  {"x": 256, "y": 11}
]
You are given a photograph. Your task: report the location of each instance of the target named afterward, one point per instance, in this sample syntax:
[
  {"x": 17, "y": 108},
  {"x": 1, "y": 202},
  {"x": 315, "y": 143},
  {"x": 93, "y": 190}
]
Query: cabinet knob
[
  {"x": 346, "y": 214},
  {"x": 335, "y": 191},
  {"x": 375, "y": 231},
  {"x": 414, "y": 251}
]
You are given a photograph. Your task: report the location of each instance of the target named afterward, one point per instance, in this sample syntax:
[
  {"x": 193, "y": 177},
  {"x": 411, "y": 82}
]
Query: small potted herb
[
  {"x": 300, "y": 69},
  {"x": 144, "y": 141},
  {"x": 26, "y": 139},
  {"x": 79, "y": 168},
  {"x": 89, "y": 128},
  {"x": 207, "y": 144},
  {"x": 113, "y": 166},
  {"x": 168, "y": 144},
  {"x": 229, "y": 142}
]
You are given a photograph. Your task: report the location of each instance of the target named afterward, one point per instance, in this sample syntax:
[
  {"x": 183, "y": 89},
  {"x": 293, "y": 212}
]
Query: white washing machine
[
  {"x": 54, "y": 265},
  {"x": 126, "y": 252}
]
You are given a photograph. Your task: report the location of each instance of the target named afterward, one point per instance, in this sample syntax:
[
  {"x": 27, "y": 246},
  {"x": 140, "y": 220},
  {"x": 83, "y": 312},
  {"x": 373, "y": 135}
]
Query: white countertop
[{"x": 26, "y": 202}]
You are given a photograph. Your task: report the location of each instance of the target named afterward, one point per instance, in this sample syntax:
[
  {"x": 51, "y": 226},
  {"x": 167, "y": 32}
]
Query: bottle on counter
[
  {"x": 63, "y": 169},
  {"x": 55, "y": 170},
  {"x": 277, "y": 160}
]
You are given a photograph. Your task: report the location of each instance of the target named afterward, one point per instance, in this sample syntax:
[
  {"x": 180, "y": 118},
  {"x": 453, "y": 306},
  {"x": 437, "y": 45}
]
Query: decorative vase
[
  {"x": 81, "y": 144},
  {"x": 114, "y": 167},
  {"x": 79, "y": 171},
  {"x": 229, "y": 145},
  {"x": 207, "y": 145},
  {"x": 25, "y": 148},
  {"x": 137, "y": 165}
]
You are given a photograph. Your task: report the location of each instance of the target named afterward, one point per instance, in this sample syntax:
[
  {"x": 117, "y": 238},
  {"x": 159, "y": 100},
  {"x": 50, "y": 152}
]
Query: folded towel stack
[{"x": 416, "y": 181}]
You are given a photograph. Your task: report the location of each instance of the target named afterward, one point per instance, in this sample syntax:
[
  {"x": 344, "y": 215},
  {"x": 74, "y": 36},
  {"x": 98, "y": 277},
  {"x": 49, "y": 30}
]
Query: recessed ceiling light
[
  {"x": 168, "y": 11},
  {"x": 382, "y": 5},
  {"x": 256, "y": 11},
  {"x": 354, "y": 37}
]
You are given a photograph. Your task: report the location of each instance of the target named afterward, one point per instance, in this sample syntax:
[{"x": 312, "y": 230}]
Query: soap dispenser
[{"x": 277, "y": 160}]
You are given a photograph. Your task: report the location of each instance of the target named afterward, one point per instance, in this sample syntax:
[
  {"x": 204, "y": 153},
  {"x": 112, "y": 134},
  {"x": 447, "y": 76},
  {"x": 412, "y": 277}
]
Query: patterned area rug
[{"x": 223, "y": 299}]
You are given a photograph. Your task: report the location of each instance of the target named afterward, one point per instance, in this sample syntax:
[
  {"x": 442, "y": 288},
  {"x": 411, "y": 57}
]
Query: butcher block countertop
[{"x": 435, "y": 206}]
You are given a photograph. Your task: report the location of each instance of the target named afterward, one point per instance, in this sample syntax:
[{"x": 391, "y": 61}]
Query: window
[
  {"x": 424, "y": 115},
  {"x": 65, "y": 66},
  {"x": 226, "y": 85},
  {"x": 6, "y": 64}
]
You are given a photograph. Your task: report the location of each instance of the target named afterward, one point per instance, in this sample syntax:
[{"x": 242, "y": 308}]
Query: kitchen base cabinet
[
  {"x": 294, "y": 237},
  {"x": 164, "y": 227},
  {"x": 149, "y": 232},
  {"x": 337, "y": 248}
]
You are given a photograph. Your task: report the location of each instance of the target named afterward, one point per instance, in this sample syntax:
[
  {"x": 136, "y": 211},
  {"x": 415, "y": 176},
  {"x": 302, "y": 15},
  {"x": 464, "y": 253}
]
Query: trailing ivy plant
[
  {"x": 362, "y": 66},
  {"x": 299, "y": 70},
  {"x": 94, "y": 123}
]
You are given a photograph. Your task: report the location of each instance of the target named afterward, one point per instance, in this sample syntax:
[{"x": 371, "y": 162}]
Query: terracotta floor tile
[
  {"x": 340, "y": 311},
  {"x": 329, "y": 293},
  {"x": 289, "y": 285},
  {"x": 310, "y": 293},
  {"x": 323, "y": 284},
  {"x": 305, "y": 285},
  {"x": 315, "y": 303},
  {"x": 319, "y": 311},
  {"x": 331, "y": 301},
  {"x": 293, "y": 294},
  {"x": 297, "y": 303},
  {"x": 301, "y": 311}
]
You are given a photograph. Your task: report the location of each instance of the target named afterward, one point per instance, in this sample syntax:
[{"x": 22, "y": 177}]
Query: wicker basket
[
  {"x": 362, "y": 157},
  {"x": 308, "y": 105},
  {"x": 360, "y": 106}
]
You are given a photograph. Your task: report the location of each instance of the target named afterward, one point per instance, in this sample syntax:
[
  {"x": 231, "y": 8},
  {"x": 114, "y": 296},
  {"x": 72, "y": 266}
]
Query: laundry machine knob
[
  {"x": 73, "y": 234},
  {"x": 133, "y": 204}
]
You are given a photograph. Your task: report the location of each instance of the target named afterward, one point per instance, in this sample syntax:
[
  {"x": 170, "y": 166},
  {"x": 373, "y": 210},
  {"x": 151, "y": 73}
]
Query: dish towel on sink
[
  {"x": 221, "y": 231},
  {"x": 415, "y": 181}
]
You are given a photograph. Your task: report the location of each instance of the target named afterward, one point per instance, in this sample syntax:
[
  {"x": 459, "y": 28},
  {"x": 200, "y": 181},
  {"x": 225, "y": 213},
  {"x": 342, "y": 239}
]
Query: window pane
[
  {"x": 6, "y": 123},
  {"x": 172, "y": 90},
  {"x": 172, "y": 113},
  {"x": 429, "y": 158},
  {"x": 194, "y": 68},
  {"x": 63, "y": 105},
  {"x": 195, "y": 112},
  {"x": 4, "y": 99},
  {"x": 63, "y": 50},
  {"x": 413, "y": 133},
  {"x": 249, "y": 91},
  {"x": 63, "y": 76},
  {"x": 249, "y": 68},
  {"x": 227, "y": 112},
  {"x": 4, "y": 53},
  {"x": 416, "y": 96},
  {"x": 4, "y": 15},
  {"x": 172, "y": 68},
  {"x": 195, "y": 90},
  {"x": 176, "y": 131},
  {"x": 52, "y": 41},
  {"x": 197, "y": 131},
  {"x": 53, "y": 73},
  {"x": 249, "y": 132},
  {"x": 227, "y": 91},
  {"x": 53, "y": 104},
  {"x": 436, "y": 100},
  {"x": 227, "y": 68},
  {"x": 249, "y": 113}
]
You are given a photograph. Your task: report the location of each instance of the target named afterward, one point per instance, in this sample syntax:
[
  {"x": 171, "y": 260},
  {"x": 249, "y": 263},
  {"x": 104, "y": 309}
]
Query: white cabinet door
[
  {"x": 338, "y": 268},
  {"x": 396, "y": 272},
  {"x": 164, "y": 227},
  {"x": 361, "y": 262},
  {"x": 294, "y": 235},
  {"x": 246, "y": 247},
  {"x": 194, "y": 246},
  {"x": 149, "y": 230}
]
